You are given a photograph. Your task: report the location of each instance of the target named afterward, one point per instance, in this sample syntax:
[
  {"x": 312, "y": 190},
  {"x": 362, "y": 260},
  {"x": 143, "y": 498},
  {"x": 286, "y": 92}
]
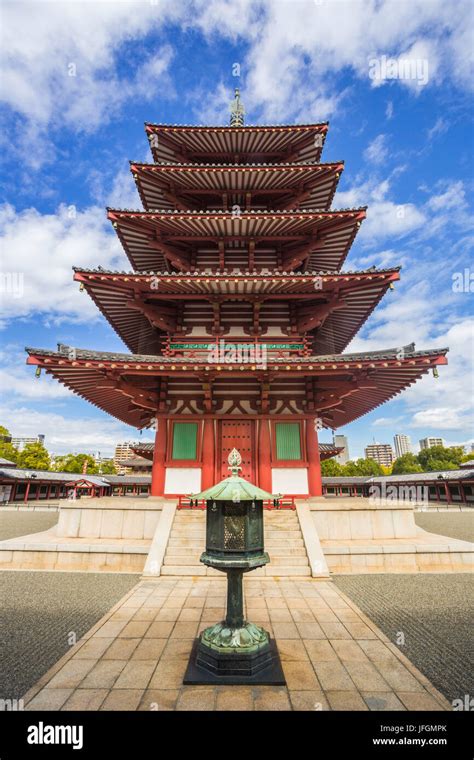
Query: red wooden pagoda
[{"x": 236, "y": 311}]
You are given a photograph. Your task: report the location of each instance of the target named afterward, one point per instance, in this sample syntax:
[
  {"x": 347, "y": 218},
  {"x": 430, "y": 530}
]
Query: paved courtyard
[
  {"x": 433, "y": 612},
  {"x": 333, "y": 657}
]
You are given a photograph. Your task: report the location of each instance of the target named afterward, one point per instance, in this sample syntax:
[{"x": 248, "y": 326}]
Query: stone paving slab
[
  {"x": 430, "y": 617},
  {"x": 333, "y": 656}
]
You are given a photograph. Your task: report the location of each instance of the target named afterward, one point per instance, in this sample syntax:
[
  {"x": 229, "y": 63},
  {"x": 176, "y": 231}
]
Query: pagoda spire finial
[{"x": 237, "y": 111}]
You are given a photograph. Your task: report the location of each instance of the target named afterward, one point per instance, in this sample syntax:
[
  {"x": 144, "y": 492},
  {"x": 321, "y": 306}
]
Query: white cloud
[
  {"x": 389, "y": 110},
  {"x": 58, "y": 60},
  {"x": 445, "y": 208},
  {"x": 377, "y": 150},
  {"x": 389, "y": 422},
  {"x": 418, "y": 315},
  {"x": 439, "y": 127},
  {"x": 385, "y": 218},
  {"x": 454, "y": 196},
  {"x": 66, "y": 434},
  {"x": 381, "y": 259},
  {"x": 38, "y": 253},
  {"x": 118, "y": 191},
  {"x": 19, "y": 380},
  {"x": 212, "y": 107},
  {"x": 440, "y": 418},
  {"x": 299, "y": 47},
  {"x": 290, "y": 51}
]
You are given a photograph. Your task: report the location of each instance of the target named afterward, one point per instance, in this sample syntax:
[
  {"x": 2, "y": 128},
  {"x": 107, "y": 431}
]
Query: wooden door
[{"x": 239, "y": 435}]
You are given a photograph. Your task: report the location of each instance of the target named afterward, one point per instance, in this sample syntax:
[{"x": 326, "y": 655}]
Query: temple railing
[{"x": 286, "y": 502}]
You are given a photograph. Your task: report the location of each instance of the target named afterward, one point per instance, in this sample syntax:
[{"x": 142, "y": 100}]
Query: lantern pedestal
[
  {"x": 234, "y": 651},
  {"x": 208, "y": 667}
]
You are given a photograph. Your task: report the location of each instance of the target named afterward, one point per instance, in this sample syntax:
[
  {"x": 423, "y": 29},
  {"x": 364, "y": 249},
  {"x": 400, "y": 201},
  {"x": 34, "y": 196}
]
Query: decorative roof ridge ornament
[
  {"x": 235, "y": 460},
  {"x": 237, "y": 111}
]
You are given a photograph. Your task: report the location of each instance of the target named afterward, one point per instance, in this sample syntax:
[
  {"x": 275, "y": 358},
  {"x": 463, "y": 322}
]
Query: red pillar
[
  {"x": 158, "y": 470},
  {"x": 315, "y": 483},
  {"x": 448, "y": 494},
  {"x": 27, "y": 492},
  {"x": 208, "y": 449},
  {"x": 264, "y": 456}
]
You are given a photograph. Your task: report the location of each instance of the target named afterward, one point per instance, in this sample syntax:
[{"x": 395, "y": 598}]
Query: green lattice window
[
  {"x": 185, "y": 440},
  {"x": 288, "y": 441}
]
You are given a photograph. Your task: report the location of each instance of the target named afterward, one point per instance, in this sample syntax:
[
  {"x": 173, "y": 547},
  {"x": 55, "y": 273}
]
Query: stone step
[
  {"x": 276, "y": 542},
  {"x": 278, "y": 571},
  {"x": 183, "y": 570},
  {"x": 283, "y": 541},
  {"x": 188, "y": 551},
  {"x": 270, "y": 544},
  {"x": 270, "y": 532},
  {"x": 175, "y": 561},
  {"x": 281, "y": 570},
  {"x": 289, "y": 560}
]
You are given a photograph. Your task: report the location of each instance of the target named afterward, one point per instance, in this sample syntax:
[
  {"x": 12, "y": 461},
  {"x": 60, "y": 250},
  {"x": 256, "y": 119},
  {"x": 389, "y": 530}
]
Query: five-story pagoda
[{"x": 236, "y": 311}]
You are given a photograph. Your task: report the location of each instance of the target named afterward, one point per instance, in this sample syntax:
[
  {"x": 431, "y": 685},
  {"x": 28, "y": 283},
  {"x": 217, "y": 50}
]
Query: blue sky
[{"x": 79, "y": 80}]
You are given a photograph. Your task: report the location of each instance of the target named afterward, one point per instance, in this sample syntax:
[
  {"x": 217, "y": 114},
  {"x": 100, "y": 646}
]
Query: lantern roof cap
[{"x": 235, "y": 488}]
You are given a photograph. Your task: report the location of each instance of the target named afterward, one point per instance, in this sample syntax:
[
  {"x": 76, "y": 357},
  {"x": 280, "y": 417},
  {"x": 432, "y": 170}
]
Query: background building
[
  {"x": 123, "y": 451},
  {"x": 343, "y": 456},
  {"x": 402, "y": 444},
  {"x": 381, "y": 452},
  {"x": 427, "y": 443},
  {"x": 20, "y": 443}
]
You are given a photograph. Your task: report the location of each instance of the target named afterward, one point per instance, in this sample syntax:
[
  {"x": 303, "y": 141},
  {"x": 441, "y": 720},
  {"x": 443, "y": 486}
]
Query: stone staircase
[{"x": 283, "y": 542}]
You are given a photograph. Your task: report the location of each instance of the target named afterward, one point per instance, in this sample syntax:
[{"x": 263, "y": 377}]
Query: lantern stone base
[
  {"x": 248, "y": 638},
  {"x": 236, "y": 562},
  {"x": 217, "y": 657}
]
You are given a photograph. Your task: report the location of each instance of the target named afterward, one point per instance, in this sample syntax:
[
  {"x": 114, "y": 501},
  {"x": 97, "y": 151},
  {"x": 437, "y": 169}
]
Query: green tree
[
  {"x": 4, "y": 432},
  {"x": 107, "y": 467},
  {"x": 362, "y": 467},
  {"x": 440, "y": 458},
  {"x": 75, "y": 463},
  {"x": 34, "y": 457},
  {"x": 405, "y": 464},
  {"x": 330, "y": 467},
  {"x": 7, "y": 451}
]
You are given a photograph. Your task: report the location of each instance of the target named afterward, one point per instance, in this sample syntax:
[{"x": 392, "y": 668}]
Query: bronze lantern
[{"x": 234, "y": 650}]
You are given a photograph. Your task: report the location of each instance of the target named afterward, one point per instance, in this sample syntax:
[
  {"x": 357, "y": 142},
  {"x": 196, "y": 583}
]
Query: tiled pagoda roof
[
  {"x": 150, "y": 238},
  {"x": 269, "y": 143},
  {"x": 113, "y": 292},
  {"x": 124, "y": 385},
  {"x": 313, "y": 184}
]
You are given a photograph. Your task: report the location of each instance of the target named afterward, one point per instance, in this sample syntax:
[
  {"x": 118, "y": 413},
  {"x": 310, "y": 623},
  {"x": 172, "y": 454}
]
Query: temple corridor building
[{"x": 236, "y": 311}]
